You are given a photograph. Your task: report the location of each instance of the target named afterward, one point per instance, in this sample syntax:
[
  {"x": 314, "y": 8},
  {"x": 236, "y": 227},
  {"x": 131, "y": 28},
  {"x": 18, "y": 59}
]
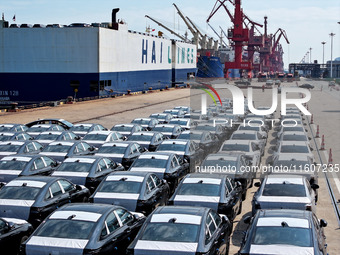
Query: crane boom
[
  {"x": 192, "y": 30},
  {"x": 217, "y": 35},
  {"x": 170, "y": 30}
]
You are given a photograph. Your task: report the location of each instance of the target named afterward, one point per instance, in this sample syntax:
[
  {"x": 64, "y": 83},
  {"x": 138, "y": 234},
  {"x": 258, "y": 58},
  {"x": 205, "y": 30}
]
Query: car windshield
[
  {"x": 57, "y": 148},
  {"x": 47, "y": 137},
  {"x": 294, "y": 149},
  {"x": 199, "y": 189},
  {"x": 179, "y": 122},
  {"x": 67, "y": 229},
  {"x": 284, "y": 190},
  {"x": 235, "y": 147},
  {"x": 147, "y": 162},
  {"x": 9, "y": 147},
  {"x": 37, "y": 129},
  {"x": 122, "y": 128},
  {"x": 112, "y": 149},
  {"x": 80, "y": 128},
  {"x": 95, "y": 137},
  {"x": 12, "y": 165},
  {"x": 171, "y": 147},
  {"x": 243, "y": 137},
  {"x": 19, "y": 192},
  {"x": 163, "y": 129},
  {"x": 120, "y": 187},
  {"x": 74, "y": 167},
  {"x": 171, "y": 232},
  {"x": 140, "y": 138},
  {"x": 294, "y": 138},
  {"x": 141, "y": 122},
  {"x": 282, "y": 235},
  {"x": 206, "y": 128}
]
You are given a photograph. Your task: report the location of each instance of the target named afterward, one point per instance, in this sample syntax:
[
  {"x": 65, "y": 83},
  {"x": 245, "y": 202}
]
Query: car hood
[{"x": 39, "y": 245}]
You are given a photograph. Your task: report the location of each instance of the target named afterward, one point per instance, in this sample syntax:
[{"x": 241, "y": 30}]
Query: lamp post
[
  {"x": 323, "y": 52},
  {"x": 332, "y": 35},
  {"x": 310, "y": 55}
]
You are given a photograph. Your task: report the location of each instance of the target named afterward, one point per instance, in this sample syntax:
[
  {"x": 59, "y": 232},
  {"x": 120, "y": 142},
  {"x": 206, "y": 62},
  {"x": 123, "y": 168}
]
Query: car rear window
[
  {"x": 147, "y": 162},
  {"x": 284, "y": 190},
  {"x": 294, "y": 149},
  {"x": 294, "y": 138},
  {"x": 171, "y": 232},
  {"x": 243, "y": 137},
  {"x": 120, "y": 187},
  {"x": 47, "y": 137},
  {"x": 199, "y": 189},
  {"x": 12, "y": 165},
  {"x": 112, "y": 149},
  {"x": 21, "y": 193},
  {"x": 9, "y": 148},
  {"x": 236, "y": 147},
  {"x": 80, "y": 128},
  {"x": 282, "y": 235},
  {"x": 171, "y": 147},
  {"x": 57, "y": 148},
  {"x": 163, "y": 129},
  {"x": 95, "y": 137},
  {"x": 140, "y": 138},
  {"x": 69, "y": 229},
  {"x": 74, "y": 167}
]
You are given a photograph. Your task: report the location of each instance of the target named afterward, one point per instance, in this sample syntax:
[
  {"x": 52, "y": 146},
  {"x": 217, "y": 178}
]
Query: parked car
[
  {"x": 170, "y": 131},
  {"x": 36, "y": 130},
  {"x": 19, "y": 147},
  {"x": 165, "y": 165},
  {"x": 14, "y": 136},
  {"x": 306, "y": 86},
  {"x": 150, "y": 140},
  {"x": 284, "y": 192},
  {"x": 216, "y": 191},
  {"x": 135, "y": 191},
  {"x": 294, "y": 147},
  {"x": 185, "y": 124},
  {"x": 82, "y": 129},
  {"x": 124, "y": 153},
  {"x": 163, "y": 118},
  {"x": 127, "y": 129},
  {"x": 285, "y": 232},
  {"x": 84, "y": 229},
  {"x": 61, "y": 150},
  {"x": 12, "y": 233},
  {"x": 182, "y": 230},
  {"x": 176, "y": 113},
  {"x": 186, "y": 109},
  {"x": 34, "y": 198},
  {"x": 12, "y": 167},
  {"x": 60, "y": 122},
  {"x": 87, "y": 170},
  {"x": 9, "y": 127},
  {"x": 250, "y": 136},
  {"x": 147, "y": 123},
  {"x": 98, "y": 138},
  {"x": 47, "y": 137},
  {"x": 215, "y": 129}
]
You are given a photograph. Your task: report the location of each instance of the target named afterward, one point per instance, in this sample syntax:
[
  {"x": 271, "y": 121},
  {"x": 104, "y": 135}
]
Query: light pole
[
  {"x": 332, "y": 35},
  {"x": 310, "y": 55},
  {"x": 323, "y": 53}
]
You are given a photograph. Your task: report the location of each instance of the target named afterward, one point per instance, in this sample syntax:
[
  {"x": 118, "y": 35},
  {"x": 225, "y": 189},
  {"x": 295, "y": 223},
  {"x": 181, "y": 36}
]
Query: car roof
[
  {"x": 125, "y": 125},
  {"x": 46, "y": 179},
  {"x": 176, "y": 141},
  {"x": 130, "y": 173},
  {"x": 14, "y": 142},
  {"x": 85, "y": 124},
  {"x": 297, "y": 143},
  {"x": 23, "y": 157},
  {"x": 119, "y": 143},
  {"x": 156, "y": 153},
  {"x": 101, "y": 132},
  {"x": 292, "y": 156},
  {"x": 294, "y": 133},
  {"x": 245, "y": 132},
  {"x": 147, "y": 133},
  {"x": 67, "y": 143},
  {"x": 287, "y": 213},
  {"x": 166, "y": 125},
  {"x": 206, "y": 176},
  {"x": 89, "y": 207},
  {"x": 237, "y": 142},
  {"x": 190, "y": 210},
  {"x": 224, "y": 156},
  {"x": 285, "y": 179}
]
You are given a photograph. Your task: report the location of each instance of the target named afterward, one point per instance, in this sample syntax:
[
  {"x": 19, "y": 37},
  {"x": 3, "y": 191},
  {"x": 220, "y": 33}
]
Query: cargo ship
[{"x": 46, "y": 63}]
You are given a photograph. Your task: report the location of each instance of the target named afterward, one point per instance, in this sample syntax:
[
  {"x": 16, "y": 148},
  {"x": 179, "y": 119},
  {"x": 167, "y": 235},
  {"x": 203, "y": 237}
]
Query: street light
[
  {"x": 332, "y": 35},
  {"x": 310, "y": 55},
  {"x": 323, "y": 52}
]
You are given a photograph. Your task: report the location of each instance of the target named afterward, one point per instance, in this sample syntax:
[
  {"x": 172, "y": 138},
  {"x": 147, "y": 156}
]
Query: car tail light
[{"x": 309, "y": 207}]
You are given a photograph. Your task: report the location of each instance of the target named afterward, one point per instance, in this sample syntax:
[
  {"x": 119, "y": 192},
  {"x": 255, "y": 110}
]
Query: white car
[
  {"x": 251, "y": 136},
  {"x": 293, "y": 136},
  {"x": 294, "y": 147},
  {"x": 185, "y": 123}
]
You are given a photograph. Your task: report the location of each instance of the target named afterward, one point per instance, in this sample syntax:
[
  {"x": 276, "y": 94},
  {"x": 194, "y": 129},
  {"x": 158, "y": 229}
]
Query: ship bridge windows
[
  {"x": 104, "y": 83},
  {"x": 94, "y": 86}
]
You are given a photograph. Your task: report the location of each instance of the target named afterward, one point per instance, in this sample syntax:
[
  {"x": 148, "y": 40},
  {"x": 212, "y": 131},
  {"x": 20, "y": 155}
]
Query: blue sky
[{"x": 307, "y": 22}]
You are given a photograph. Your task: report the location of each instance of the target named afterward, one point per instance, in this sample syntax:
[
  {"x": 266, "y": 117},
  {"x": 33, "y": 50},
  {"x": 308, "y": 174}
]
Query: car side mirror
[
  {"x": 247, "y": 219},
  {"x": 257, "y": 184},
  {"x": 124, "y": 138},
  {"x": 77, "y": 138},
  {"x": 315, "y": 186},
  {"x": 54, "y": 164},
  {"x": 323, "y": 223}
]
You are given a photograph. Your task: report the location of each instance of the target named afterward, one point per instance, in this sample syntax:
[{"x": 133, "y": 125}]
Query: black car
[
  {"x": 51, "y": 136},
  {"x": 121, "y": 152},
  {"x": 15, "y": 136},
  {"x": 168, "y": 130},
  {"x": 25, "y": 165},
  {"x": 84, "y": 229},
  {"x": 182, "y": 230},
  {"x": 82, "y": 129},
  {"x": 60, "y": 122},
  {"x": 12, "y": 233},
  {"x": 34, "y": 198},
  {"x": 87, "y": 170},
  {"x": 186, "y": 149},
  {"x": 216, "y": 191},
  {"x": 135, "y": 191},
  {"x": 215, "y": 129},
  {"x": 148, "y": 139},
  {"x": 19, "y": 147},
  {"x": 165, "y": 165},
  {"x": 127, "y": 129},
  {"x": 36, "y": 130},
  {"x": 286, "y": 231},
  {"x": 306, "y": 86},
  {"x": 61, "y": 150},
  {"x": 205, "y": 139},
  {"x": 235, "y": 165},
  {"x": 9, "y": 127}
]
